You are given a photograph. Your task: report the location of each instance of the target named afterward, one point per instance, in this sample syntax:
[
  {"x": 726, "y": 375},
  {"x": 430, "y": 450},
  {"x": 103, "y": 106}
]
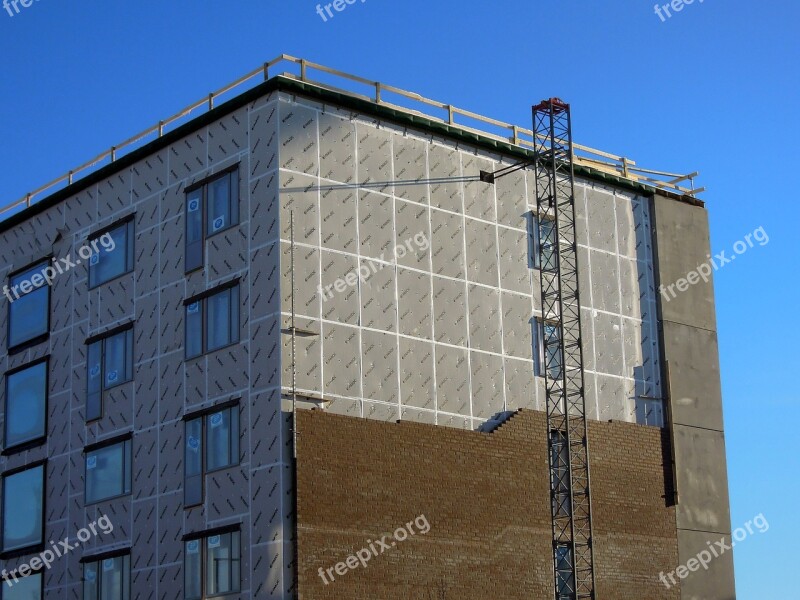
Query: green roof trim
[{"x": 325, "y": 96}]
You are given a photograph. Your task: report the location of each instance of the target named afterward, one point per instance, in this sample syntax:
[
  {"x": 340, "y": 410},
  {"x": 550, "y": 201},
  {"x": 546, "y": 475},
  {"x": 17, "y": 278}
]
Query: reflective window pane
[
  {"x": 26, "y": 588},
  {"x": 219, "y": 204},
  {"x": 192, "y": 575},
  {"x": 29, "y": 306},
  {"x": 118, "y": 359},
  {"x": 94, "y": 407},
  {"x": 91, "y": 586},
  {"x": 222, "y": 439},
  {"x": 222, "y": 563},
  {"x": 115, "y": 256},
  {"x": 193, "y": 463},
  {"x": 108, "y": 472},
  {"x": 219, "y": 317},
  {"x": 26, "y": 405},
  {"x": 194, "y": 230},
  {"x": 107, "y": 579},
  {"x": 22, "y": 508},
  {"x": 194, "y": 329}
]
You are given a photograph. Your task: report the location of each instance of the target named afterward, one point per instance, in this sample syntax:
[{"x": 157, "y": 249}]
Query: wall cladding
[
  {"x": 257, "y": 493},
  {"x": 451, "y": 320},
  {"x": 485, "y": 496}
]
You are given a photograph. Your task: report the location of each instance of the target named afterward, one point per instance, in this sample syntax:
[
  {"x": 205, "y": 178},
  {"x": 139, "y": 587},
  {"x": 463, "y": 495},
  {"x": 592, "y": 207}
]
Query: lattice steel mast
[{"x": 563, "y": 353}]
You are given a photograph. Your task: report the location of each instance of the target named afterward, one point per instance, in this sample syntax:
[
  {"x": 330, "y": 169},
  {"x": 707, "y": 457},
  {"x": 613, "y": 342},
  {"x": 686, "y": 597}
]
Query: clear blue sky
[{"x": 714, "y": 89}]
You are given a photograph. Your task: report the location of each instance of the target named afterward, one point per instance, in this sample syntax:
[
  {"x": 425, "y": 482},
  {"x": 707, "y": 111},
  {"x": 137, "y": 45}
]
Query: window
[
  {"x": 109, "y": 364},
  {"x": 212, "y": 443},
  {"x": 29, "y": 587},
  {"x": 211, "y": 207},
  {"x": 107, "y": 578},
  {"x": 26, "y": 404},
  {"x": 565, "y": 578},
  {"x": 560, "y": 468},
  {"x": 114, "y": 256},
  {"x": 544, "y": 243},
  {"x": 23, "y": 508},
  {"x": 212, "y": 322},
  {"x": 548, "y": 349},
  {"x": 108, "y": 470},
  {"x": 650, "y": 411},
  {"x": 212, "y": 565},
  {"x": 28, "y": 294}
]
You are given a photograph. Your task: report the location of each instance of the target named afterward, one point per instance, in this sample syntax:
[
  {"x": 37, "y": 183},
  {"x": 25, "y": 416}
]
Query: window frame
[
  {"x": 125, "y": 553},
  {"x": 536, "y": 254},
  {"x": 540, "y": 362},
  {"x": 126, "y": 441},
  {"x": 202, "y": 538},
  {"x": 102, "y": 338},
  {"x": 202, "y": 186},
  {"x": 235, "y": 314},
  {"x": 30, "y": 548},
  {"x": 129, "y": 222},
  {"x": 35, "y": 441},
  {"x": 203, "y": 415},
  {"x": 37, "y": 339},
  {"x": 36, "y": 573}
]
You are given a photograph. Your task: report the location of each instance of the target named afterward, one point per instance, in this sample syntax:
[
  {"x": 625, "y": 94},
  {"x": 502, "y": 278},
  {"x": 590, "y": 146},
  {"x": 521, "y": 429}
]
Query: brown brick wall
[{"x": 485, "y": 497}]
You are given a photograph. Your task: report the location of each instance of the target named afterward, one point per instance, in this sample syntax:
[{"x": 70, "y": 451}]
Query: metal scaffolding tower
[{"x": 563, "y": 352}]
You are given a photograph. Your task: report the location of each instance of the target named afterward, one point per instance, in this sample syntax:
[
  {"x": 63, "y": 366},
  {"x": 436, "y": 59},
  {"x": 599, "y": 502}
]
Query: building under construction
[{"x": 317, "y": 337}]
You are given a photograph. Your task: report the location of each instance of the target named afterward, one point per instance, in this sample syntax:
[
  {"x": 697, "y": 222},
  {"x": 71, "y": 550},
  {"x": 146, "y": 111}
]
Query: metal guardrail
[{"x": 514, "y": 134}]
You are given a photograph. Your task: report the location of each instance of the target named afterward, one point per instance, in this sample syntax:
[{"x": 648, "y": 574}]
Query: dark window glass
[
  {"x": 109, "y": 363},
  {"x": 29, "y": 306},
  {"x": 26, "y": 588},
  {"x": 218, "y": 434},
  {"x": 212, "y": 566},
  {"x": 23, "y": 506},
  {"x": 544, "y": 243},
  {"x": 212, "y": 323},
  {"x": 26, "y": 405},
  {"x": 107, "y": 579},
  {"x": 560, "y": 473},
  {"x": 193, "y": 464},
  {"x": 108, "y": 472},
  {"x": 114, "y": 256},
  {"x": 216, "y": 203},
  {"x": 565, "y": 580}
]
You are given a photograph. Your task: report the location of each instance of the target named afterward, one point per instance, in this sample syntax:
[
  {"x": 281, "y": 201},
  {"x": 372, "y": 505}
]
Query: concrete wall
[
  {"x": 444, "y": 334},
  {"x": 152, "y": 519},
  {"x": 485, "y": 497},
  {"x": 688, "y": 322}
]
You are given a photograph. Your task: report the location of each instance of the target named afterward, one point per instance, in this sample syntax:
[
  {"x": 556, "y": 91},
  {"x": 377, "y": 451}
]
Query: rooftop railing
[{"x": 374, "y": 91}]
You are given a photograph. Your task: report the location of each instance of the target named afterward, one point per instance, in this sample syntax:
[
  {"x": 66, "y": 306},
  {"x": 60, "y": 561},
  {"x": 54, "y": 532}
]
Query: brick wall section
[{"x": 485, "y": 497}]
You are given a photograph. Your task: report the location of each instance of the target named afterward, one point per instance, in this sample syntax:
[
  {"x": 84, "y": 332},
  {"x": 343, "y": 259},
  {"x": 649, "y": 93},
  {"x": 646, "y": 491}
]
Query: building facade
[{"x": 297, "y": 248}]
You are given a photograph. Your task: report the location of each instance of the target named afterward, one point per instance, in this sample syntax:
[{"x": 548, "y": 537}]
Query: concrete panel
[
  {"x": 410, "y": 166},
  {"x": 376, "y": 225},
  {"x": 605, "y": 281},
  {"x": 601, "y": 222},
  {"x": 517, "y": 326},
  {"x": 702, "y": 479},
  {"x": 341, "y": 357},
  {"x": 682, "y": 239},
  {"x": 608, "y": 343},
  {"x": 611, "y": 399},
  {"x": 694, "y": 376},
  {"x": 338, "y": 219},
  {"x": 299, "y": 195},
  {"x": 479, "y": 198},
  {"x": 411, "y": 221},
  {"x": 414, "y": 299},
  {"x": 452, "y": 380},
  {"x": 379, "y": 368},
  {"x": 487, "y": 384},
  {"x": 341, "y": 306},
  {"x": 514, "y": 272},
  {"x": 520, "y": 391},
  {"x": 484, "y": 319},
  {"x": 416, "y": 374},
  {"x": 450, "y": 311},
  {"x": 337, "y": 148},
  {"x": 299, "y": 149},
  {"x": 714, "y": 583},
  {"x": 378, "y": 309},
  {"x": 444, "y": 163},
  {"x": 482, "y": 252},
  {"x": 374, "y": 157},
  {"x": 511, "y": 206},
  {"x": 306, "y": 280},
  {"x": 447, "y": 244}
]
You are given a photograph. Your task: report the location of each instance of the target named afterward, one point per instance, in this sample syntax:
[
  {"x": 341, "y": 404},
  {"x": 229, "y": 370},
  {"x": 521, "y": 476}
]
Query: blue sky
[{"x": 714, "y": 89}]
